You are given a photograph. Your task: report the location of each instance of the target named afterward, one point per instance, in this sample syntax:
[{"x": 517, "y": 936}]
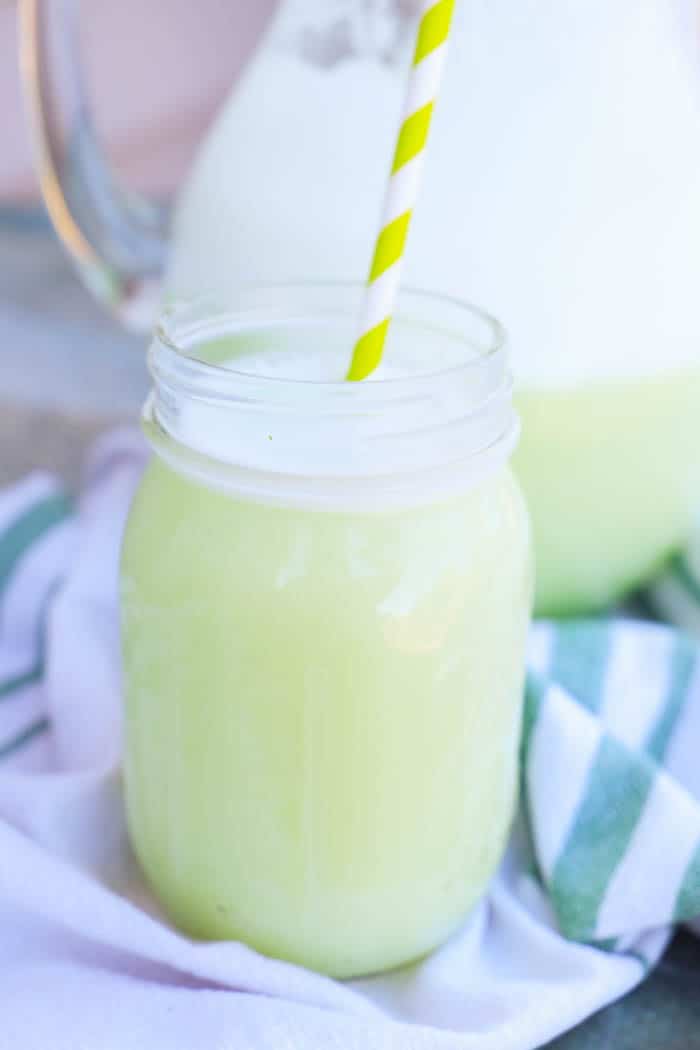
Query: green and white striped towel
[
  {"x": 604, "y": 857},
  {"x": 611, "y": 775}
]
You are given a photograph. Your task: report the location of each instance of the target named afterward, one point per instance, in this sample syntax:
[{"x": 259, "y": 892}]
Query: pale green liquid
[
  {"x": 323, "y": 713},
  {"x": 611, "y": 474}
]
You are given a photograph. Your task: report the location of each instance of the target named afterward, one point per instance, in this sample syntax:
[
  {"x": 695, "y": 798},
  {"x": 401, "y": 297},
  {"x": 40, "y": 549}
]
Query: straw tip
[{"x": 368, "y": 352}]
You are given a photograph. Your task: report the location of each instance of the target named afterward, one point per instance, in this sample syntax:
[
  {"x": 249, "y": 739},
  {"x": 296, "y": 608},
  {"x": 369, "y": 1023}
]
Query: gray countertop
[
  {"x": 66, "y": 370},
  {"x": 58, "y": 350},
  {"x": 34, "y": 438}
]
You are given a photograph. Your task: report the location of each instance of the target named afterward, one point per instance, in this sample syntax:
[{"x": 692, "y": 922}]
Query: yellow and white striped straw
[{"x": 404, "y": 184}]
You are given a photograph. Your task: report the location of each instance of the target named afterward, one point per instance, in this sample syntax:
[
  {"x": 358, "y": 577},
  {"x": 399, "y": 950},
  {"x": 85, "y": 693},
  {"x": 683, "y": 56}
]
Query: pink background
[{"x": 156, "y": 71}]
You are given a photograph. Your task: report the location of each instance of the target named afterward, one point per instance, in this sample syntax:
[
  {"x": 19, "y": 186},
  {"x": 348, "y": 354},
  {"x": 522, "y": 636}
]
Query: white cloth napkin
[{"x": 606, "y": 847}]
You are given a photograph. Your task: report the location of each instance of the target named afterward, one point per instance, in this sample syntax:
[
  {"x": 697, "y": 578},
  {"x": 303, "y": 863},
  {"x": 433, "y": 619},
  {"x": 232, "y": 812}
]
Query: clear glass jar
[{"x": 326, "y": 592}]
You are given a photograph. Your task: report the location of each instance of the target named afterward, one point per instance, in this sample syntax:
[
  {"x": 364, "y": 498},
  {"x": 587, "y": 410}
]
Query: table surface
[{"x": 67, "y": 372}]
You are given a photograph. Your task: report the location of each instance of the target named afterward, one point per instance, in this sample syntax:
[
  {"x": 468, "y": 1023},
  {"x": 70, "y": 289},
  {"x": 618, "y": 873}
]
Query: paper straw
[{"x": 404, "y": 184}]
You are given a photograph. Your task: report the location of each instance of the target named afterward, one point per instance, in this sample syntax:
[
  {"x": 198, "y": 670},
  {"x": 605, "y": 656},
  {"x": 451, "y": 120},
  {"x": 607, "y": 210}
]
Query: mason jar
[{"x": 326, "y": 588}]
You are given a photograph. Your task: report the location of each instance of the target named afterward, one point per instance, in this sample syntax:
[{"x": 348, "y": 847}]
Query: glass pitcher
[{"x": 562, "y": 190}]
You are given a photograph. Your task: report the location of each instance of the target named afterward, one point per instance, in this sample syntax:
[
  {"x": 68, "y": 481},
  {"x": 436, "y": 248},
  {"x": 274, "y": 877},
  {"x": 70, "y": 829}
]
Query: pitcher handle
[{"x": 117, "y": 239}]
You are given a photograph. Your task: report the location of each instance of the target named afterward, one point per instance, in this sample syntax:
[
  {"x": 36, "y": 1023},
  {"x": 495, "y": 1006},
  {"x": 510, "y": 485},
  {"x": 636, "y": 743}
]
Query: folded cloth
[{"x": 605, "y": 855}]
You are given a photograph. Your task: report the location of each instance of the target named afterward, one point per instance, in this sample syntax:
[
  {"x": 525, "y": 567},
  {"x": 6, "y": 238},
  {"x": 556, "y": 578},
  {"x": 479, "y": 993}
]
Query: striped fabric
[
  {"x": 35, "y": 539},
  {"x": 610, "y": 774},
  {"x": 402, "y": 191},
  {"x": 610, "y": 777}
]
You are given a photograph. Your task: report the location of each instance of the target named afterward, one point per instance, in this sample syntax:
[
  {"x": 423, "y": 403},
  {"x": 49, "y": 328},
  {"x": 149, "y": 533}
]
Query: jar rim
[
  {"x": 185, "y": 324},
  {"x": 282, "y": 437}
]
